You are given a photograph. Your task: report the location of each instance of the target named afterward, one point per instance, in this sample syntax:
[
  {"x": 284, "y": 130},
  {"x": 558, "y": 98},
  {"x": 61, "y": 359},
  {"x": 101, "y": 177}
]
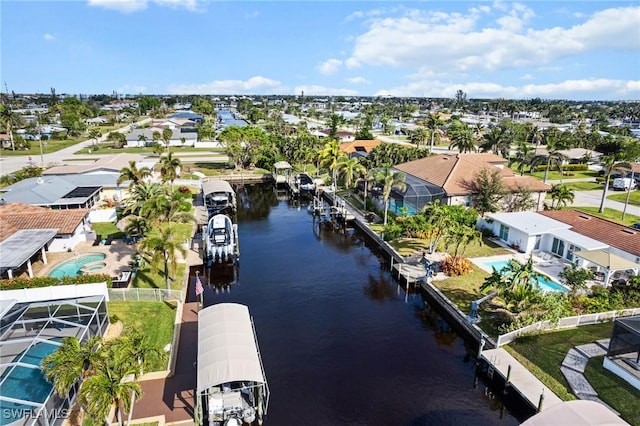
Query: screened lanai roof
[
  {"x": 420, "y": 193},
  {"x": 227, "y": 349}
]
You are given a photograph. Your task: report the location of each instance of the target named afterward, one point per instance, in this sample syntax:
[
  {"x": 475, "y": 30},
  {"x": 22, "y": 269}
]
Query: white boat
[
  {"x": 218, "y": 196},
  {"x": 231, "y": 385},
  {"x": 220, "y": 239},
  {"x": 305, "y": 182}
]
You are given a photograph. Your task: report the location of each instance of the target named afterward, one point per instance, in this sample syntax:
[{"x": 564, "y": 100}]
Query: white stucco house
[{"x": 594, "y": 245}]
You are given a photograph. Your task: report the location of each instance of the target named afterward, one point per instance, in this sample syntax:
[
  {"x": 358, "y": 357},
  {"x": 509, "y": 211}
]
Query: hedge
[
  {"x": 565, "y": 167},
  {"x": 38, "y": 282}
]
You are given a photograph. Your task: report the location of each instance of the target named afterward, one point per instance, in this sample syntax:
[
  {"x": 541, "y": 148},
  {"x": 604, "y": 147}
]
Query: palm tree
[
  {"x": 170, "y": 168},
  {"x": 366, "y": 176},
  {"x": 10, "y": 120},
  {"x": 329, "y": 157},
  {"x": 133, "y": 174},
  {"x": 434, "y": 124},
  {"x": 166, "y": 207},
  {"x": 166, "y": 136},
  {"x": 70, "y": 362},
  {"x": 561, "y": 194},
  {"x": 140, "y": 194},
  {"x": 419, "y": 136},
  {"x": 137, "y": 346},
  {"x": 554, "y": 156},
  {"x": 112, "y": 383},
  {"x": 161, "y": 248},
  {"x": 142, "y": 138},
  {"x": 609, "y": 163},
  {"x": 390, "y": 180},
  {"x": 463, "y": 139},
  {"x": 94, "y": 135},
  {"x": 523, "y": 157},
  {"x": 349, "y": 168}
]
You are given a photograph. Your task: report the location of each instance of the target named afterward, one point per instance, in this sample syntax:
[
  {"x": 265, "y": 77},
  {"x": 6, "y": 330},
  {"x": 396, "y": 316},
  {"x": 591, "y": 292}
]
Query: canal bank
[{"x": 507, "y": 379}]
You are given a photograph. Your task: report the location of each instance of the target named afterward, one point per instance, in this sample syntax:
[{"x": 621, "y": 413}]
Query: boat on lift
[
  {"x": 305, "y": 182},
  {"x": 219, "y": 197},
  {"x": 231, "y": 387},
  {"x": 220, "y": 240}
]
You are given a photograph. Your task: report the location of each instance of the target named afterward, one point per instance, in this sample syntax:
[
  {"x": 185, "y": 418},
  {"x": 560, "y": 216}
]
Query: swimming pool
[
  {"x": 72, "y": 267},
  {"x": 544, "y": 283},
  {"x": 28, "y": 384}
]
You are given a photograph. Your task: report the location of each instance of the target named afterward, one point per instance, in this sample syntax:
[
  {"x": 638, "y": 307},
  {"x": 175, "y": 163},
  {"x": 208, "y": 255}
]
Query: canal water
[{"x": 341, "y": 342}]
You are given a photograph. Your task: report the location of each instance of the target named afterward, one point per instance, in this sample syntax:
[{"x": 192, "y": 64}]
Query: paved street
[{"x": 592, "y": 199}]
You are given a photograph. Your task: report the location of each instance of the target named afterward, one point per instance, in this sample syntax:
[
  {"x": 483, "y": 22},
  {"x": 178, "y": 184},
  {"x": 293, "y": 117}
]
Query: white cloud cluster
[
  {"x": 49, "y": 37},
  {"x": 257, "y": 85},
  {"x": 330, "y": 66},
  {"x": 131, "y": 6},
  {"x": 316, "y": 90},
  {"x": 432, "y": 41},
  {"x": 588, "y": 89},
  {"x": 358, "y": 80}
]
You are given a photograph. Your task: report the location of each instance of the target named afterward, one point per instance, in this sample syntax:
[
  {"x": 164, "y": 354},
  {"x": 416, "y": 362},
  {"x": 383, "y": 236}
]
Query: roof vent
[
  {"x": 629, "y": 231},
  {"x": 584, "y": 217},
  {"x": 39, "y": 181}
]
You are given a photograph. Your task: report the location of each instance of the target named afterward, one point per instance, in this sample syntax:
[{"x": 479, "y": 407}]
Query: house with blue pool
[{"x": 611, "y": 250}]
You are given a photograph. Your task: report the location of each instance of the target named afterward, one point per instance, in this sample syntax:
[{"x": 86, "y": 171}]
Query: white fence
[
  {"x": 566, "y": 322},
  {"x": 143, "y": 295}
]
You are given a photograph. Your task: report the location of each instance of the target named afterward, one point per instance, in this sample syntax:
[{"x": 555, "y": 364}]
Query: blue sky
[{"x": 553, "y": 50}]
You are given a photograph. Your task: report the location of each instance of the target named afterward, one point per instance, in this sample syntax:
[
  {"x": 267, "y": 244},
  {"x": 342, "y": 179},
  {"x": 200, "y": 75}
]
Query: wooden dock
[{"x": 519, "y": 378}]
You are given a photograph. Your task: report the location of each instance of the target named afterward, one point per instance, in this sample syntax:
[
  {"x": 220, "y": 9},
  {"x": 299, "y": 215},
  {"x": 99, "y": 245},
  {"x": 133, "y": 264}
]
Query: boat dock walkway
[{"x": 519, "y": 378}]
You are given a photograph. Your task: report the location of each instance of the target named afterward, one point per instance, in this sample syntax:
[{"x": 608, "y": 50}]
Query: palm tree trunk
[
  {"x": 604, "y": 194},
  {"x": 166, "y": 272},
  {"x": 626, "y": 201},
  {"x": 386, "y": 208},
  {"x": 546, "y": 172},
  {"x": 431, "y": 142}
]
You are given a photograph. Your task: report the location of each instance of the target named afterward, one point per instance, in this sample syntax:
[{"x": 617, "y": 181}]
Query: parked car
[
  {"x": 622, "y": 184},
  {"x": 636, "y": 225}
]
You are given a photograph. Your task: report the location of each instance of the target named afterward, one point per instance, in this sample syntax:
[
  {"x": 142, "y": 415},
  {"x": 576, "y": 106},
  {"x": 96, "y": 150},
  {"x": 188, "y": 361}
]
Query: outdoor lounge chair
[
  {"x": 109, "y": 240},
  {"x": 97, "y": 241}
]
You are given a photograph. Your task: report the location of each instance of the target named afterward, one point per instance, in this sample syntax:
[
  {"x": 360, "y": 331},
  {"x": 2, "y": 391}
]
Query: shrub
[
  {"x": 39, "y": 282},
  {"x": 457, "y": 265}
]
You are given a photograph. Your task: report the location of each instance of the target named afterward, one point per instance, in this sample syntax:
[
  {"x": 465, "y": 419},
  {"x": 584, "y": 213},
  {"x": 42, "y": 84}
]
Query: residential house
[
  {"x": 359, "y": 148},
  {"x": 450, "y": 178},
  {"x": 27, "y": 232},
  {"x": 342, "y": 135},
  {"x": 179, "y": 137},
  {"x": 570, "y": 236}
]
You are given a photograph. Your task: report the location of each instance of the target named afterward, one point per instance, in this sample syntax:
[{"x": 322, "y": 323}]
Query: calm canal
[{"x": 341, "y": 343}]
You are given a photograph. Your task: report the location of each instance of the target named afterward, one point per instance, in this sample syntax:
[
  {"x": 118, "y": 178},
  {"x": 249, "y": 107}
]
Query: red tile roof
[
  {"x": 367, "y": 145},
  {"x": 455, "y": 172},
  {"x": 616, "y": 235},
  {"x": 16, "y": 216}
]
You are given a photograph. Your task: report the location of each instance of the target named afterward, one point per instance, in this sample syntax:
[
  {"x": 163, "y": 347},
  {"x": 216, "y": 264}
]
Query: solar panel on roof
[{"x": 81, "y": 192}]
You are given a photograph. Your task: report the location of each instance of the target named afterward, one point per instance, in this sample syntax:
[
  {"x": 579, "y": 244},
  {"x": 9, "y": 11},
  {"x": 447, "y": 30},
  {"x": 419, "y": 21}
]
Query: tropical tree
[
  {"x": 523, "y": 157},
  {"x": 419, "y": 136},
  {"x": 10, "y": 120},
  {"x": 497, "y": 140},
  {"x": 366, "y": 176},
  {"x": 70, "y": 362},
  {"x": 520, "y": 199},
  {"x": 137, "y": 346},
  {"x": 142, "y": 138},
  {"x": 610, "y": 163},
  {"x": 463, "y": 139},
  {"x": 140, "y": 195},
  {"x": 575, "y": 277},
  {"x": 329, "y": 158},
  {"x": 390, "y": 179},
  {"x": 161, "y": 248},
  {"x": 553, "y": 157},
  {"x": 166, "y": 136},
  {"x": 133, "y": 174},
  {"x": 488, "y": 190},
  {"x": 561, "y": 195},
  {"x": 170, "y": 168},
  {"x": 112, "y": 383},
  {"x": 349, "y": 169},
  {"x": 94, "y": 135},
  {"x": 434, "y": 124}
]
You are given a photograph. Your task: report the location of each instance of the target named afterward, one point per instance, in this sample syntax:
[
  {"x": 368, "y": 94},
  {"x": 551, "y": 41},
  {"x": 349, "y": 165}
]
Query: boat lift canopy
[
  {"x": 227, "y": 349},
  {"x": 216, "y": 185}
]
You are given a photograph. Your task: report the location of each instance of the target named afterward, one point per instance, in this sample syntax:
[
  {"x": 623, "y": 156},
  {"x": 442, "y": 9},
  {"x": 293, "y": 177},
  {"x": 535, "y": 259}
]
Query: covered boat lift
[
  {"x": 218, "y": 196},
  {"x": 231, "y": 385}
]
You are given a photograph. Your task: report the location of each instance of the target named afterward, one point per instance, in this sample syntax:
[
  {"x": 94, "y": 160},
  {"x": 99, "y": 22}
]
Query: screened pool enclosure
[{"x": 417, "y": 195}]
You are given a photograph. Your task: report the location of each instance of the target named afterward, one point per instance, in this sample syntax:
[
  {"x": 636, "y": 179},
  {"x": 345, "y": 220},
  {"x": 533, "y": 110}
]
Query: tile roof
[
  {"x": 367, "y": 145},
  {"x": 616, "y": 235},
  {"x": 455, "y": 172},
  {"x": 17, "y": 216},
  {"x": 106, "y": 162}
]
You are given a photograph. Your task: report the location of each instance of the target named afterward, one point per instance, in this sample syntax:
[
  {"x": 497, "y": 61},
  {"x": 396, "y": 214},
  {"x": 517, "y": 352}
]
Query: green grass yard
[
  {"x": 634, "y": 197},
  {"x": 48, "y": 147},
  {"x": 154, "y": 319},
  {"x": 543, "y": 355}
]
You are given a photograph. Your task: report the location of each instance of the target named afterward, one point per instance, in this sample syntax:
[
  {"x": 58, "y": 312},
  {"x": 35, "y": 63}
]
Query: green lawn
[
  {"x": 48, "y": 147},
  {"x": 106, "y": 228},
  {"x": 543, "y": 354},
  {"x": 610, "y": 214},
  {"x": 582, "y": 186},
  {"x": 154, "y": 319},
  {"x": 463, "y": 289},
  {"x": 574, "y": 174},
  {"x": 634, "y": 197}
]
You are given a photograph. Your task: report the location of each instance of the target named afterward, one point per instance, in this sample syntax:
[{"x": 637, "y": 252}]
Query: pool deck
[{"x": 118, "y": 255}]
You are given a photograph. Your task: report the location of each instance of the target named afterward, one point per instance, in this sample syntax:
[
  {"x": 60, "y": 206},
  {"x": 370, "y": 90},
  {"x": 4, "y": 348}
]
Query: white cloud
[
  {"x": 358, "y": 80},
  {"x": 432, "y": 41},
  {"x": 252, "y": 14},
  {"x": 131, "y": 6},
  {"x": 527, "y": 76},
  {"x": 314, "y": 90},
  {"x": 48, "y": 37},
  {"x": 124, "y": 6},
  {"x": 330, "y": 66},
  {"x": 257, "y": 85},
  {"x": 587, "y": 89}
]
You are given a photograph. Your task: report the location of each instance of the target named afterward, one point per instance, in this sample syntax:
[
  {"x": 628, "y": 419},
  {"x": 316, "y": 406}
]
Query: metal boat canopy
[{"x": 227, "y": 349}]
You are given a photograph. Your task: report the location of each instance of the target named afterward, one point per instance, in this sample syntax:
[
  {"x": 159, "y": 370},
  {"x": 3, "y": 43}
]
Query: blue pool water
[
  {"x": 24, "y": 383},
  {"x": 71, "y": 267},
  {"x": 544, "y": 283}
]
